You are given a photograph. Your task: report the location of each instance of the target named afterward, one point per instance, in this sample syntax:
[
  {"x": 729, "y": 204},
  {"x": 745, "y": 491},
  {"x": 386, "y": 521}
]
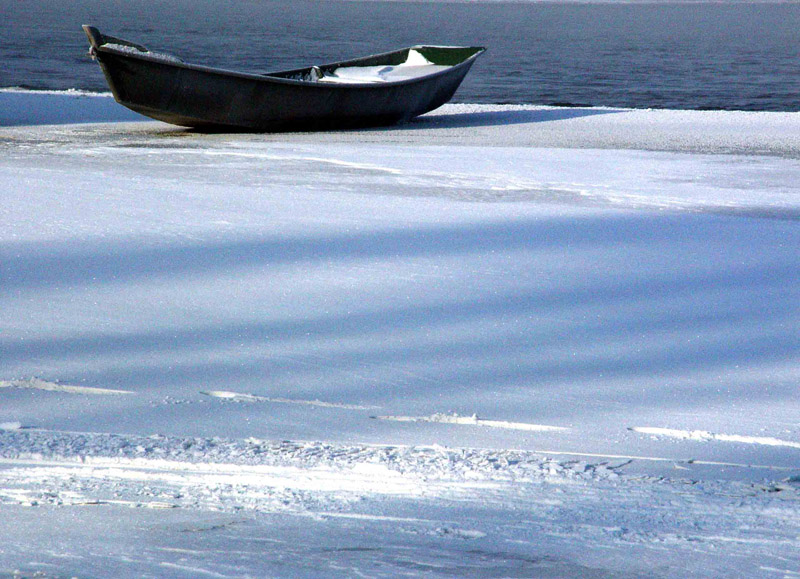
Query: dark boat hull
[{"x": 213, "y": 99}]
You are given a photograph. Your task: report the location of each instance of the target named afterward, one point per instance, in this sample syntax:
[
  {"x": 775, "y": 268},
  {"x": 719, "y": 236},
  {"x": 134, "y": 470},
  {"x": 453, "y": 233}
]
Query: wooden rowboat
[{"x": 381, "y": 89}]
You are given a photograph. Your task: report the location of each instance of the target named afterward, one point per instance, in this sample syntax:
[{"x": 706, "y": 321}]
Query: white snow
[
  {"x": 703, "y": 436},
  {"x": 238, "y": 397},
  {"x": 415, "y": 65},
  {"x": 579, "y": 326},
  {"x": 472, "y": 421},
  {"x": 39, "y": 384},
  {"x": 372, "y": 74},
  {"x": 157, "y": 56}
]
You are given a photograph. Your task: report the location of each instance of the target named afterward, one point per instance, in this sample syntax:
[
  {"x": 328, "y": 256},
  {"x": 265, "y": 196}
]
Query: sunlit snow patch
[
  {"x": 416, "y": 65},
  {"x": 472, "y": 421},
  {"x": 39, "y": 384},
  {"x": 238, "y": 397},
  {"x": 704, "y": 436}
]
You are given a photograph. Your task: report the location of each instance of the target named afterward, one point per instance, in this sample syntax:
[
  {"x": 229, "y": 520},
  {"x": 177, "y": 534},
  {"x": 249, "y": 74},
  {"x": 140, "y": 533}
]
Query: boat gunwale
[{"x": 158, "y": 58}]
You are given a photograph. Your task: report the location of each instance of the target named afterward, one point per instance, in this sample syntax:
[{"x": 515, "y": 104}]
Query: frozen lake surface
[{"x": 498, "y": 340}]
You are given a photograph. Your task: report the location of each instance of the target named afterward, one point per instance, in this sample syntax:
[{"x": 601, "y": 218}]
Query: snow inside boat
[{"x": 381, "y": 89}]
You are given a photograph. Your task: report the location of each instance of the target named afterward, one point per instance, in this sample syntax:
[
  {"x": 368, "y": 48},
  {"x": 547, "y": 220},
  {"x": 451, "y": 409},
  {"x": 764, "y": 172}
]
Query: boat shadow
[
  {"x": 433, "y": 120},
  {"x": 502, "y": 117}
]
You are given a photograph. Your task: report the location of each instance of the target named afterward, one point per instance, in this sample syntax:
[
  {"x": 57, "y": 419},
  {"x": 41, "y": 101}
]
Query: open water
[{"x": 663, "y": 55}]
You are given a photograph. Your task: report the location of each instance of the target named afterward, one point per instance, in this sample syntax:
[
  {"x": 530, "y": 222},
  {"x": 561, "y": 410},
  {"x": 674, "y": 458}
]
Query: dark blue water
[{"x": 687, "y": 56}]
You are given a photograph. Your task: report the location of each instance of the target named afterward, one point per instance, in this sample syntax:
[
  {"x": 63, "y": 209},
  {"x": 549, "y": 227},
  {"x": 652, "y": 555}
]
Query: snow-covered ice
[
  {"x": 24, "y": 107},
  {"x": 497, "y": 340}
]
